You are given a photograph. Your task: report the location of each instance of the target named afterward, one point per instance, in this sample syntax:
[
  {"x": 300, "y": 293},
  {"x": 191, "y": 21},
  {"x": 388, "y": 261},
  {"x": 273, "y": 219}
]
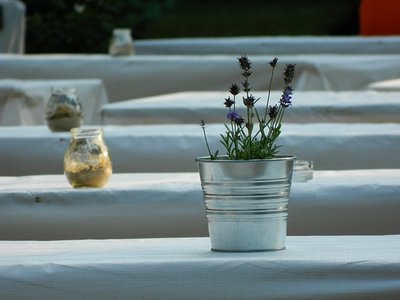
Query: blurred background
[{"x": 65, "y": 26}]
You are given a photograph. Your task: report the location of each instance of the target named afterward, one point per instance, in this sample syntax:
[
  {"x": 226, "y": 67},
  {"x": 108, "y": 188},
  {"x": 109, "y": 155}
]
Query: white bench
[
  {"x": 308, "y": 107},
  {"x": 35, "y": 150}
]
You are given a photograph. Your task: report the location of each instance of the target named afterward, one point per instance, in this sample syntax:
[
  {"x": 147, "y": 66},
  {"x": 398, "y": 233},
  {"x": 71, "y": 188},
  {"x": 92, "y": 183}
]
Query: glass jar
[
  {"x": 121, "y": 42},
  {"x": 63, "y": 110},
  {"x": 87, "y": 162}
]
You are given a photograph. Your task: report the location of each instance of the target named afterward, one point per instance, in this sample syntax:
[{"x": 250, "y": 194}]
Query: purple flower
[
  {"x": 232, "y": 115},
  {"x": 286, "y": 98}
]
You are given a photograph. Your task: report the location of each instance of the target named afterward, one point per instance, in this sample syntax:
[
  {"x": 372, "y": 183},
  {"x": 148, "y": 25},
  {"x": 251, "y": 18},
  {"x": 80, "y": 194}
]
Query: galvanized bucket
[{"x": 246, "y": 202}]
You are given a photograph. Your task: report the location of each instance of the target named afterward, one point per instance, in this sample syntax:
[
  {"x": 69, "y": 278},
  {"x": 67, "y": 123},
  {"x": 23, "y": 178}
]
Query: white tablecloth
[
  {"x": 329, "y": 267},
  {"x": 46, "y": 207},
  {"x": 146, "y": 75},
  {"x": 173, "y": 148},
  {"x": 12, "y": 35},
  {"x": 23, "y": 102},
  {"x": 386, "y": 85},
  {"x": 274, "y": 45},
  {"x": 308, "y": 107}
]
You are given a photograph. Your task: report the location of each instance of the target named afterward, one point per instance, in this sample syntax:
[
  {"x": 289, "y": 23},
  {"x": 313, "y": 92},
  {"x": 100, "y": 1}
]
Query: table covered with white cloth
[
  {"x": 46, "y": 207},
  {"x": 148, "y": 75},
  {"x": 23, "y": 102},
  {"x": 12, "y": 34},
  {"x": 274, "y": 45},
  {"x": 173, "y": 148},
  {"x": 312, "y": 267},
  {"x": 308, "y": 107}
]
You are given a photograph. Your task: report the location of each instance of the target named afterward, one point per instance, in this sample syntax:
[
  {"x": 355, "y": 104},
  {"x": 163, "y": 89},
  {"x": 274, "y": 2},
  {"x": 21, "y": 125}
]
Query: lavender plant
[{"x": 254, "y": 135}]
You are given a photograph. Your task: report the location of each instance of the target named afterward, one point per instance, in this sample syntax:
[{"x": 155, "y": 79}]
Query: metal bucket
[{"x": 246, "y": 202}]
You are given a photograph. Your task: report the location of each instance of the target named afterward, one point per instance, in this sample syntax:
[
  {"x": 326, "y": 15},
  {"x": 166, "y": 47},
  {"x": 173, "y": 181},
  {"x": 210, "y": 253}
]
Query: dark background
[{"x": 67, "y": 26}]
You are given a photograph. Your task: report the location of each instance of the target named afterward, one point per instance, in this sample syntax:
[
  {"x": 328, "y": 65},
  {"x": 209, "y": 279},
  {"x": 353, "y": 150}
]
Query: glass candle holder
[
  {"x": 87, "y": 161},
  {"x": 63, "y": 110},
  {"x": 121, "y": 43}
]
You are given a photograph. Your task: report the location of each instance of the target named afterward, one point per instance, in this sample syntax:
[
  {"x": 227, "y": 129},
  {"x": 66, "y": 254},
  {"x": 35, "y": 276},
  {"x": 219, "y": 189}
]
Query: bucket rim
[{"x": 224, "y": 159}]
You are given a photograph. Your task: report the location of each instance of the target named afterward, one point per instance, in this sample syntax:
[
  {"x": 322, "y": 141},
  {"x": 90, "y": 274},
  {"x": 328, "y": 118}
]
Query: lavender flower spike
[
  {"x": 286, "y": 98},
  {"x": 288, "y": 73},
  {"x": 234, "y": 89},
  {"x": 232, "y": 116},
  {"x": 229, "y": 102}
]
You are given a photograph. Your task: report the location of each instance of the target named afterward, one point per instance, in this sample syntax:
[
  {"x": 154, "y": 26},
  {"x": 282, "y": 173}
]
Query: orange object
[{"x": 380, "y": 17}]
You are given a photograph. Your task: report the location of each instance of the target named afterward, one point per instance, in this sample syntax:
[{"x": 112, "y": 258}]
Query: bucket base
[
  {"x": 241, "y": 236},
  {"x": 238, "y": 251}
]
